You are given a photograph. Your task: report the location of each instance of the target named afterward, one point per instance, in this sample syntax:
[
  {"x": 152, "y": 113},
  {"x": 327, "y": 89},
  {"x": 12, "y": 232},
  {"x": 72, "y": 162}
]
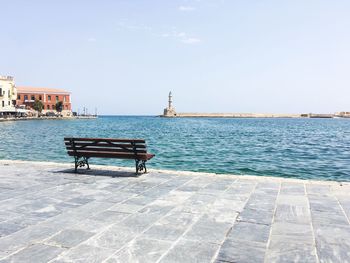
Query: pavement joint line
[
  {"x": 190, "y": 227},
  {"x": 272, "y": 220},
  {"x": 341, "y": 207},
  {"x": 234, "y": 222},
  {"x": 312, "y": 225},
  {"x": 178, "y": 239}
]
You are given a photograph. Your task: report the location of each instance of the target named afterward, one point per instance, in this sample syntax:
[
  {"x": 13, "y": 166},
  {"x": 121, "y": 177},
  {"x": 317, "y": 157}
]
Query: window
[
  {"x": 25, "y": 97},
  {"x": 48, "y": 107},
  {"x": 32, "y": 97},
  {"x": 9, "y": 103},
  {"x": 39, "y": 97},
  {"x": 19, "y": 97},
  {"x": 56, "y": 98},
  {"x": 49, "y": 98},
  {"x": 3, "y": 103},
  {"x": 53, "y": 107}
]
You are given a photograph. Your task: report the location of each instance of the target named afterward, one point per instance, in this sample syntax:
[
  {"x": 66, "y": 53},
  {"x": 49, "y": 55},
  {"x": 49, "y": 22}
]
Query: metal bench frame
[{"x": 80, "y": 160}]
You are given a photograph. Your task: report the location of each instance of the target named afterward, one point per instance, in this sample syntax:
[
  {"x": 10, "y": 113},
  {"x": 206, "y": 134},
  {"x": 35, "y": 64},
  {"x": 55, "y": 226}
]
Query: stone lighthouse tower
[{"x": 170, "y": 110}]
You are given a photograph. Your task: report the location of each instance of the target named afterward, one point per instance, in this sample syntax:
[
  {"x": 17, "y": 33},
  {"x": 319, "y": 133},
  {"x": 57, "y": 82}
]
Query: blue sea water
[{"x": 297, "y": 148}]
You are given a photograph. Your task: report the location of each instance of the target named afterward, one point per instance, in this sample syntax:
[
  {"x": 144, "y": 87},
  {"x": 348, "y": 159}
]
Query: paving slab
[
  {"x": 288, "y": 249},
  {"x": 141, "y": 251},
  {"x": 241, "y": 251},
  {"x": 35, "y": 253},
  {"x": 84, "y": 254},
  {"x": 69, "y": 238},
  {"x": 188, "y": 251}
]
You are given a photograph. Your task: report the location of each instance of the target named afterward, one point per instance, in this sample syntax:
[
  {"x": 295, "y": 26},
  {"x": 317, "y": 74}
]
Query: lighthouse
[
  {"x": 170, "y": 110},
  {"x": 170, "y": 106}
]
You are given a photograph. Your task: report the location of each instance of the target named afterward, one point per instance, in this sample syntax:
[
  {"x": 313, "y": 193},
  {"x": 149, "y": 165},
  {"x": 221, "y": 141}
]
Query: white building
[{"x": 8, "y": 95}]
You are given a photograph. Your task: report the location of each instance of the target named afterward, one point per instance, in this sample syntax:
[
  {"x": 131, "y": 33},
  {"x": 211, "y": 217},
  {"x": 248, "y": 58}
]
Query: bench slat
[
  {"x": 143, "y": 156},
  {"x": 105, "y": 139},
  {"x": 105, "y": 149},
  {"x": 107, "y": 145}
]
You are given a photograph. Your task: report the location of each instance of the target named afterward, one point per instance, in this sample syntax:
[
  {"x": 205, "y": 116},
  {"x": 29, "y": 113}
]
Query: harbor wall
[{"x": 235, "y": 115}]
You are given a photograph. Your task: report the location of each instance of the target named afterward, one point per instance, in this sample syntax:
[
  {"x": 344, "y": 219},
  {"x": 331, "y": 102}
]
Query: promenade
[{"x": 49, "y": 214}]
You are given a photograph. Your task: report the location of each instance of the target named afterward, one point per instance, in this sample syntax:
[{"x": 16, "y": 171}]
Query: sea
[{"x": 294, "y": 148}]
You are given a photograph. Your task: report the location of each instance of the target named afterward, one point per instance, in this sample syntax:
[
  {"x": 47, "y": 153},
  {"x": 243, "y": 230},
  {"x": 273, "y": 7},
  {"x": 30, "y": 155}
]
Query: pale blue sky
[{"x": 123, "y": 56}]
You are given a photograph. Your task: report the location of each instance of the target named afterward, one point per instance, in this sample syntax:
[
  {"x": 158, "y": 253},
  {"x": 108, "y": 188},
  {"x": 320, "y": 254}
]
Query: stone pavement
[{"x": 49, "y": 214}]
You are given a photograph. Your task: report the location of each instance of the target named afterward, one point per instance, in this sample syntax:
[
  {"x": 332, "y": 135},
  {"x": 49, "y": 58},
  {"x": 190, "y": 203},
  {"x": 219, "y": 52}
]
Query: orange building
[{"x": 49, "y": 97}]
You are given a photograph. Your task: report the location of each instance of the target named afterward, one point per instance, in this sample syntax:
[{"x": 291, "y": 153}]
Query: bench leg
[
  {"x": 86, "y": 159},
  {"x": 140, "y": 166},
  {"x": 76, "y": 164},
  {"x": 81, "y": 163}
]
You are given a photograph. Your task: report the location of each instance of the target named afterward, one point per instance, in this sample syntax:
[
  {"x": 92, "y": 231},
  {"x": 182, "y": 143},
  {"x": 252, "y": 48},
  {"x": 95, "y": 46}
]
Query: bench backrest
[{"x": 134, "y": 146}]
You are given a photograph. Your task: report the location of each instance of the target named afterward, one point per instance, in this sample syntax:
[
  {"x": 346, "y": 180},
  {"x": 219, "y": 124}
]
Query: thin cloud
[
  {"x": 191, "y": 40},
  {"x": 186, "y": 8},
  {"x": 182, "y": 37},
  {"x": 133, "y": 27},
  {"x": 91, "y": 39}
]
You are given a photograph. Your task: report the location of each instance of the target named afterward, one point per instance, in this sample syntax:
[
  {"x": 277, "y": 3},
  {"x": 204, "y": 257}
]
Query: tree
[
  {"x": 59, "y": 106},
  {"x": 38, "y": 106}
]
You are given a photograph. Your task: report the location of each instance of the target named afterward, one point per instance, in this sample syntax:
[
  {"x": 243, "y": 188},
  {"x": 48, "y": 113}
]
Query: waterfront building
[
  {"x": 343, "y": 114},
  {"x": 170, "y": 110},
  {"x": 7, "y": 96},
  {"x": 26, "y": 97}
]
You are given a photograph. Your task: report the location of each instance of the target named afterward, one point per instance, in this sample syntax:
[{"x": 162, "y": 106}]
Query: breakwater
[
  {"x": 253, "y": 115},
  {"x": 236, "y": 115},
  {"x": 170, "y": 112}
]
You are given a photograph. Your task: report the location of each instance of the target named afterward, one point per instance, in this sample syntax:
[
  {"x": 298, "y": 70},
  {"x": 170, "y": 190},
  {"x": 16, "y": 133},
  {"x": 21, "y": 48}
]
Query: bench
[{"x": 82, "y": 149}]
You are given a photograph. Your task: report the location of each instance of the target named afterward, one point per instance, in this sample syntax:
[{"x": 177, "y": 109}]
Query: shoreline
[
  {"x": 5, "y": 162},
  {"x": 46, "y": 118}
]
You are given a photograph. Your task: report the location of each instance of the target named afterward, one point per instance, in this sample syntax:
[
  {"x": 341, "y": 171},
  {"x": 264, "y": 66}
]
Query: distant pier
[
  {"x": 170, "y": 112},
  {"x": 234, "y": 115}
]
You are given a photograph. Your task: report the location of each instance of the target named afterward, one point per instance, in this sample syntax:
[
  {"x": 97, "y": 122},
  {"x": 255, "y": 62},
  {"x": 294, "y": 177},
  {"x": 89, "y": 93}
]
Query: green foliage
[
  {"x": 38, "y": 105},
  {"x": 59, "y": 106}
]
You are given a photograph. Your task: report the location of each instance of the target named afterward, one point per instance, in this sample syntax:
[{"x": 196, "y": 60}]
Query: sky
[{"x": 124, "y": 56}]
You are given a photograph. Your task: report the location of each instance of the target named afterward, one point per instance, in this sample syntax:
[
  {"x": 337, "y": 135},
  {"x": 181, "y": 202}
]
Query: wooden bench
[{"x": 82, "y": 149}]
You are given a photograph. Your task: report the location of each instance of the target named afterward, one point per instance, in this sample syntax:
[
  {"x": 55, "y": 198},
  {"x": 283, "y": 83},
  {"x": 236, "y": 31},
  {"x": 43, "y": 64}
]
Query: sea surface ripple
[{"x": 297, "y": 148}]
